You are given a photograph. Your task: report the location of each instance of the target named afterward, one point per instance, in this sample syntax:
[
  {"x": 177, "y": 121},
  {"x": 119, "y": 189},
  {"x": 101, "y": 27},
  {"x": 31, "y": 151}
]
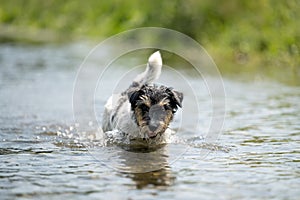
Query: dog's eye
[
  {"x": 144, "y": 107},
  {"x": 167, "y": 107}
]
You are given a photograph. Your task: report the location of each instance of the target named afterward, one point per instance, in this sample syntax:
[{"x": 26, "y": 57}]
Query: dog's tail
[{"x": 152, "y": 71}]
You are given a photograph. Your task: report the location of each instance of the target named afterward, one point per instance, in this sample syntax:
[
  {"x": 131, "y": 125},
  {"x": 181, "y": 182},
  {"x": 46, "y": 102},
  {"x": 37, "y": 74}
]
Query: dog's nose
[{"x": 152, "y": 128}]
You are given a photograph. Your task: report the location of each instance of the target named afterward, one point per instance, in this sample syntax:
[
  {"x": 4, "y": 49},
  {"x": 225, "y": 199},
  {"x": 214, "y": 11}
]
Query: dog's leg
[
  {"x": 106, "y": 118},
  {"x": 152, "y": 71}
]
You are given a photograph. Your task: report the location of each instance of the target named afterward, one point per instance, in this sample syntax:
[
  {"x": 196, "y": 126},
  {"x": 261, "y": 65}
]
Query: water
[{"x": 44, "y": 156}]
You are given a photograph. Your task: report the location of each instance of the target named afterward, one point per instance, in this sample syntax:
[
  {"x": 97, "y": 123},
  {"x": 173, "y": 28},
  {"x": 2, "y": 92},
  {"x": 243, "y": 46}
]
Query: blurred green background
[{"x": 245, "y": 38}]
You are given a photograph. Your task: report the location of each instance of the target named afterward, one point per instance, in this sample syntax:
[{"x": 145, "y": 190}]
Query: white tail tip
[{"x": 155, "y": 59}]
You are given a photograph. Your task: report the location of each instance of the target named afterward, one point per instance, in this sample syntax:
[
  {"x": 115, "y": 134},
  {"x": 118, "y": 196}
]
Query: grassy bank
[{"x": 244, "y": 37}]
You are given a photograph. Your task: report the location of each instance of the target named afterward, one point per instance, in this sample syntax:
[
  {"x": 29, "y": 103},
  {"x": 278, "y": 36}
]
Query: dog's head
[{"x": 154, "y": 108}]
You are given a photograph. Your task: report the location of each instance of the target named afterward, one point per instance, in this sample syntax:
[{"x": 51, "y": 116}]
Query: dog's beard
[{"x": 147, "y": 133}]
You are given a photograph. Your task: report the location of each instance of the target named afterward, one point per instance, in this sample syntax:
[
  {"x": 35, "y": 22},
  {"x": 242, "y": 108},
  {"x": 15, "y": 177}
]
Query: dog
[{"x": 144, "y": 111}]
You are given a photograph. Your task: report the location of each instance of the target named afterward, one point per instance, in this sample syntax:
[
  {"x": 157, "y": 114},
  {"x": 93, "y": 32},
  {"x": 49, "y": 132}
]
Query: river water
[{"x": 44, "y": 156}]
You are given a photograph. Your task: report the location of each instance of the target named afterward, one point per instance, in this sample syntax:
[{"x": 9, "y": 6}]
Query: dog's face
[{"x": 154, "y": 108}]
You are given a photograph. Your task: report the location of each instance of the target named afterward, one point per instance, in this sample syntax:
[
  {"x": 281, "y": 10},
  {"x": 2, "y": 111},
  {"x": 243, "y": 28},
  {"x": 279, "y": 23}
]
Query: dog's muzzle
[{"x": 156, "y": 118}]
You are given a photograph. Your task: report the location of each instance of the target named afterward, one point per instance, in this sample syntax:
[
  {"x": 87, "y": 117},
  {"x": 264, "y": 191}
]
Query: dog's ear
[
  {"x": 176, "y": 97},
  {"x": 133, "y": 96}
]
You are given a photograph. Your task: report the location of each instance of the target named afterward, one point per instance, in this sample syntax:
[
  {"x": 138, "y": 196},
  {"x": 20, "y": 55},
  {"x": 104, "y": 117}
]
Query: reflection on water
[
  {"x": 43, "y": 155},
  {"x": 156, "y": 179},
  {"x": 147, "y": 169}
]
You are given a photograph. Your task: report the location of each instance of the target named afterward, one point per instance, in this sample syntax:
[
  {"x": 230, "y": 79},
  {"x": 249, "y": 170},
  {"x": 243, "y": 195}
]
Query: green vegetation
[{"x": 244, "y": 37}]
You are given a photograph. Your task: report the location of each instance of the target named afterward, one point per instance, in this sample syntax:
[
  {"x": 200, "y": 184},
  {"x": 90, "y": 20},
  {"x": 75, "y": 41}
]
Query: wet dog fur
[{"x": 144, "y": 111}]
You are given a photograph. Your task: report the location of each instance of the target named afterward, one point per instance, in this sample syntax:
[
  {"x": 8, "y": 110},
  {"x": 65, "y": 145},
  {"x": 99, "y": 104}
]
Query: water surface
[{"x": 42, "y": 154}]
